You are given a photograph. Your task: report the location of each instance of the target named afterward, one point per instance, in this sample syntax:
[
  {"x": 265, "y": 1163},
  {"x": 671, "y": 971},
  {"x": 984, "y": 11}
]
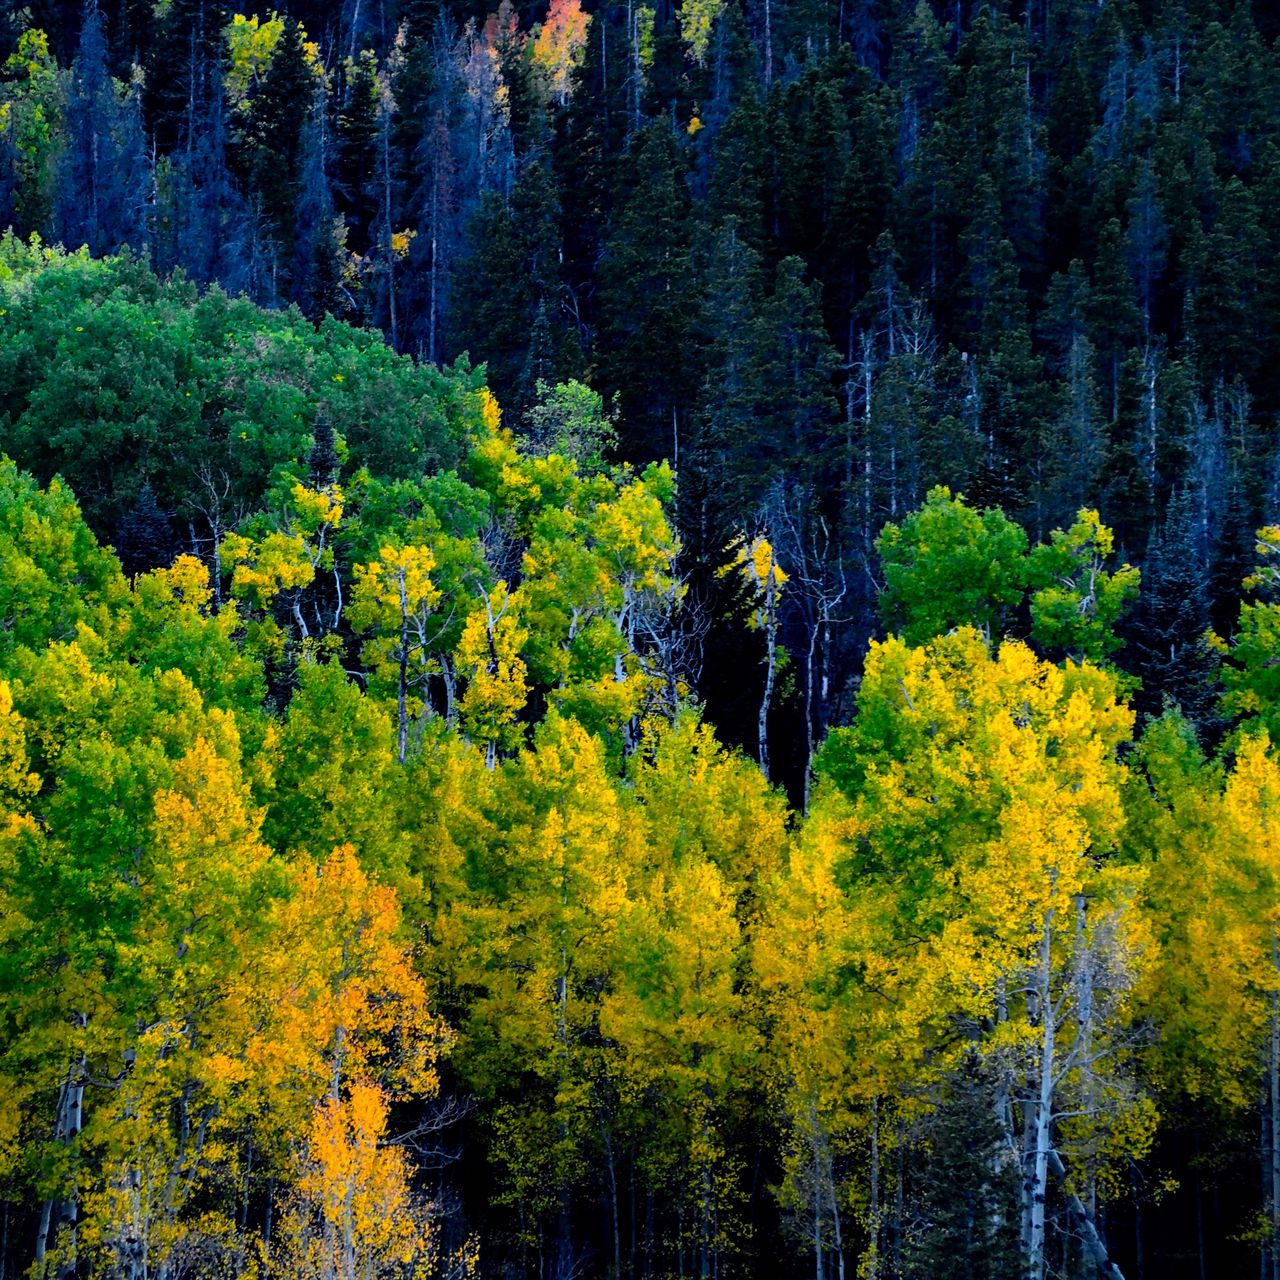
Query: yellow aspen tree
[
  {"x": 560, "y": 44},
  {"x": 18, "y": 789},
  {"x": 813, "y": 936},
  {"x": 489, "y": 659},
  {"x": 1210, "y": 839},
  {"x": 352, "y": 1213},
  {"x": 536, "y": 947},
  {"x": 18, "y": 784},
  {"x": 281, "y": 563},
  {"x": 699, "y": 800},
  {"x": 394, "y": 595},
  {"x": 337, "y": 995},
  {"x": 633, "y": 536},
  {"x": 1206, "y": 1048},
  {"x": 687, "y": 1036},
  {"x": 167, "y": 1133},
  {"x": 991, "y": 781},
  {"x": 1250, "y": 860}
]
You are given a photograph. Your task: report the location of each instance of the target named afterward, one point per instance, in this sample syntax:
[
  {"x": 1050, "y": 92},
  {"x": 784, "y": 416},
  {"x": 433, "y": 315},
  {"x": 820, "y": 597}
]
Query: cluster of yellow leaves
[
  {"x": 696, "y": 18},
  {"x": 489, "y": 658},
  {"x": 17, "y": 783},
  {"x": 1214, "y": 889},
  {"x": 955, "y": 882},
  {"x": 251, "y": 48},
  {"x": 337, "y": 994},
  {"x": 760, "y": 573}
]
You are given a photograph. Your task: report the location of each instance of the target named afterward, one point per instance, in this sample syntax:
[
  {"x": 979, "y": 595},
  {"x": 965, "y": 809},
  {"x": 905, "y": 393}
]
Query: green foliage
[
  {"x": 1075, "y": 602},
  {"x": 55, "y": 574},
  {"x": 113, "y": 378},
  {"x": 824, "y": 257},
  {"x": 571, "y": 419},
  {"x": 32, "y": 100},
  {"x": 949, "y": 565}
]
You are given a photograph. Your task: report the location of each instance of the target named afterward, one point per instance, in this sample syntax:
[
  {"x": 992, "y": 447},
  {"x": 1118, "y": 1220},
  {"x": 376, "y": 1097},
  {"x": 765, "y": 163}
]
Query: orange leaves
[
  {"x": 561, "y": 44},
  {"x": 353, "y": 1212},
  {"x": 338, "y": 992}
]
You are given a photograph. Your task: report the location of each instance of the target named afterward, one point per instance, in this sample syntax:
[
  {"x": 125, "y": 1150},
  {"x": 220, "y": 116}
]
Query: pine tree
[
  {"x": 739, "y": 173},
  {"x": 184, "y": 70},
  {"x": 724, "y": 449},
  {"x": 1114, "y": 319},
  {"x": 963, "y": 1214},
  {"x": 509, "y": 273},
  {"x": 103, "y": 169},
  {"x": 1167, "y": 645},
  {"x": 145, "y": 540},
  {"x": 434, "y": 249},
  {"x": 272, "y": 149},
  {"x": 319, "y": 249},
  {"x": 796, "y": 370},
  {"x": 323, "y": 459},
  {"x": 648, "y": 318},
  {"x": 201, "y": 218},
  {"x": 355, "y": 150}
]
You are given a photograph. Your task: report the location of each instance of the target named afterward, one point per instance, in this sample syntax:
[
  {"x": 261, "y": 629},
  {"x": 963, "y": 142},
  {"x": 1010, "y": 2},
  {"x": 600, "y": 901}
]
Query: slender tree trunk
[
  {"x": 837, "y": 1234},
  {"x": 1139, "y": 1240},
  {"x": 1084, "y": 1227},
  {"x": 1084, "y": 1035},
  {"x": 612, "y": 1172},
  {"x": 816, "y": 1199},
  {"x": 434, "y": 306},
  {"x": 355, "y": 30},
  {"x": 873, "y": 1205},
  {"x": 899, "y": 1199},
  {"x": 1043, "y": 1106},
  {"x": 388, "y": 247},
  {"x": 768, "y": 44},
  {"x": 704, "y": 1223},
  {"x": 632, "y": 1224},
  {"x": 1003, "y": 1104},
  {"x": 771, "y": 633},
  {"x": 808, "y": 710},
  {"x": 1200, "y": 1249},
  {"x": 67, "y": 1125},
  {"x": 648, "y": 1232}
]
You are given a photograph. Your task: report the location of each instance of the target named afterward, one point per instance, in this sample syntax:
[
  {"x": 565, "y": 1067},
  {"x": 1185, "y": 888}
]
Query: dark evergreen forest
[
  {"x": 820, "y": 256},
  {"x": 823, "y": 257}
]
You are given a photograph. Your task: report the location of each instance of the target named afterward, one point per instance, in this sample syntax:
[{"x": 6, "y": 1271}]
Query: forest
[{"x": 640, "y": 640}]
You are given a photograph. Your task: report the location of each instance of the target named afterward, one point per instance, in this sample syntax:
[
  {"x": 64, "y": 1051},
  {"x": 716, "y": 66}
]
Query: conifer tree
[
  {"x": 103, "y": 170},
  {"x": 1168, "y": 636},
  {"x": 647, "y": 313}
]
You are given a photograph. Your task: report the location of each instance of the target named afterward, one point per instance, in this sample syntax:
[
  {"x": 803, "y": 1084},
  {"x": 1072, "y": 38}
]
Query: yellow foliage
[
  {"x": 352, "y": 1212},
  {"x": 755, "y": 564},
  {"x": 251, "y": 48},
  {"x": 337, "y": 993},
  {"x": 489, "y": 659}
]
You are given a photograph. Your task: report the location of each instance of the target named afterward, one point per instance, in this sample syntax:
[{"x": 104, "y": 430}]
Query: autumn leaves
[{"x": 267, "y": 925}]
